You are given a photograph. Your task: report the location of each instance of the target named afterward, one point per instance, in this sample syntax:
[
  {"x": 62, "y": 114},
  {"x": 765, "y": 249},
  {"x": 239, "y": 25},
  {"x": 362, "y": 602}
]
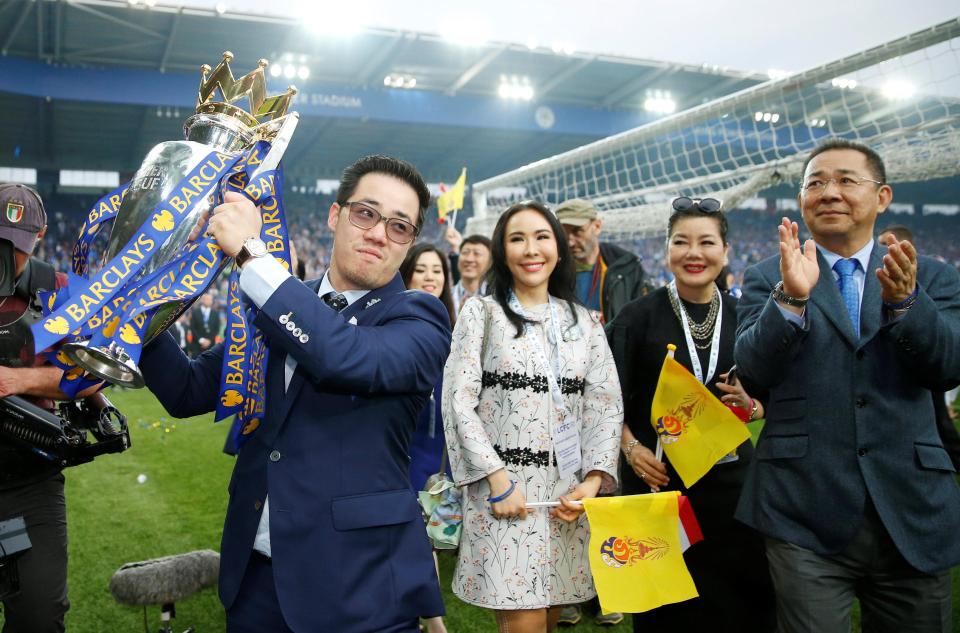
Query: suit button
[
  {"x": 274, "y": 456},
  {"x": 861, "y": 452},
  {"x": 257, "y": 505},
  {"x": 861, "y": 403}
]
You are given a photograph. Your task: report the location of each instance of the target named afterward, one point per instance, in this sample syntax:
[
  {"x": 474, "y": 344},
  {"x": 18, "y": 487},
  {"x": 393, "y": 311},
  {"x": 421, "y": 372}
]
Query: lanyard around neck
[{"x": 552, "y": 369}]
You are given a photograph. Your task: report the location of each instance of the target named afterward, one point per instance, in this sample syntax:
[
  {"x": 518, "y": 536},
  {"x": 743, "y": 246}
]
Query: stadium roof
[
  {"x": 50, "y": 127},
  {"x": 93, "y": 84}
]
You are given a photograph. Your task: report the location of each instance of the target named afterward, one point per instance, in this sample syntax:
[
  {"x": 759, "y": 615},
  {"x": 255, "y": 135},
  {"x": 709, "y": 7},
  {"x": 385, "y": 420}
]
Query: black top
[{"x": 638, "y": 338}]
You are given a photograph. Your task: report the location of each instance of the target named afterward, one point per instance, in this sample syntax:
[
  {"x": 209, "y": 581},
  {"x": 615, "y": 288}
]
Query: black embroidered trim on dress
[
  {"x": 538, "y": 384},
  {"x": 522, "y": 456}
]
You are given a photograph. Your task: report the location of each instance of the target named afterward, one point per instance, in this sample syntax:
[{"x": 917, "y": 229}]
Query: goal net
[{"x": 901, "y": 98}]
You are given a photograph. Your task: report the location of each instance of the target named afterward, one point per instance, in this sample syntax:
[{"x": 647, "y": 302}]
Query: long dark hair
[
  {"x": 562, "y": 280},
  {"x": 409, "y": 265}
]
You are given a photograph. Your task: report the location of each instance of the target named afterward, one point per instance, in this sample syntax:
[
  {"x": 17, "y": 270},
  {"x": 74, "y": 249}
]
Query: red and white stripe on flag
[{"x": 690, "y": 533}]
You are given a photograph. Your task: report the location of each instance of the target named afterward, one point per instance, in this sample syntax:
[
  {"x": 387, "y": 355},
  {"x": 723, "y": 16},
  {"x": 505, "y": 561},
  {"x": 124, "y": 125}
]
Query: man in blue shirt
[{"x": 850, "y": 483}]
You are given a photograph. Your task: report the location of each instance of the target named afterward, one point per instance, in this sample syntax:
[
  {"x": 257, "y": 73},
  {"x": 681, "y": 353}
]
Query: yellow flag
[
  {"x": 635, "y": 554},
  {"x": 452, "y": 200},
  {"x": 695, "y": 429}
]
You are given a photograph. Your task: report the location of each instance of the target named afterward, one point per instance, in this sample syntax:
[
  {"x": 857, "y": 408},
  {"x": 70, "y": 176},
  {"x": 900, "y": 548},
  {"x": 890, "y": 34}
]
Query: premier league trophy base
[{"x": 108, "y": 363}]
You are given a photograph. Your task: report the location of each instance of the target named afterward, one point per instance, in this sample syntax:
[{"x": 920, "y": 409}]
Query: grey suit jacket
[{"x": 848, "y": 418}]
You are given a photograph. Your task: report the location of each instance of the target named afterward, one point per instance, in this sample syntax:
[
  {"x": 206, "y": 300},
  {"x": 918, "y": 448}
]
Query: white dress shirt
[
  {"x": 859, "y": 276},
  {"x": 259, "y": 279}
]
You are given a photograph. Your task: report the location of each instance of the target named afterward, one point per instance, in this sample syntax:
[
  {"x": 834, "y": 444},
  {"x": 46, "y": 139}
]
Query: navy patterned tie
[
  {"x": 335, "y": 300},
  {"x": 848, "y": 290}
]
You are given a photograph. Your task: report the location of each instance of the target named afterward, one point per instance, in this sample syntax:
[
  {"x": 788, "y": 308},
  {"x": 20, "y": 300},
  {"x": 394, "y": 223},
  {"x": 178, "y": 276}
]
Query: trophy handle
[{"x": 278, "y": 132}]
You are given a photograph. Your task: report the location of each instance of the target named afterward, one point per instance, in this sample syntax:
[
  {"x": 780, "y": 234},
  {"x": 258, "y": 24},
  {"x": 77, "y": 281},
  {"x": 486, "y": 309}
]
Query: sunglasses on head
[{"x": 707, "y": 205}]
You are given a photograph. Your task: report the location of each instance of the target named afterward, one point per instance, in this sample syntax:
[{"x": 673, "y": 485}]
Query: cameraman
[{"x": 30, "y": 486}]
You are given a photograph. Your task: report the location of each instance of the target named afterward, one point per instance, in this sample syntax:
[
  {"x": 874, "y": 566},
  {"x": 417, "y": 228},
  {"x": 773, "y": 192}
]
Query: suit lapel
[
  {"x": 870, "y": 311},
  {"x": 278, "y": 358},
  {"x": 364, "y": 311},
  {"x": 826, "y": 296}
]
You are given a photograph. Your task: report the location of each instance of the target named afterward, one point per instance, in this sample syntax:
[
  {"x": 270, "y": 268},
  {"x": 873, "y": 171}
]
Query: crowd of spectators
[{"x": 752, "y": 237}]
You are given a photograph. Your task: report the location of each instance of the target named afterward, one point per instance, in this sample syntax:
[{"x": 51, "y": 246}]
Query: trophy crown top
[{"x": 252, "y": 86}]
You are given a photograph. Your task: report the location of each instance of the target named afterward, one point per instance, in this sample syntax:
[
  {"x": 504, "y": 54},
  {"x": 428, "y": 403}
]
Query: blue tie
[
  {"x": 848, "y": 290},
  {"x": 335, "y": 300}
]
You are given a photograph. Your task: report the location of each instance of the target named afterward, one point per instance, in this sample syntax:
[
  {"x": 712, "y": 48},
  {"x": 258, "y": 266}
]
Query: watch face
[{"x": 256, "y": 247}]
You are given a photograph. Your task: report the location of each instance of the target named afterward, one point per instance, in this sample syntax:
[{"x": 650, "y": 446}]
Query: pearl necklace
[{"x": 700, "y": 331}]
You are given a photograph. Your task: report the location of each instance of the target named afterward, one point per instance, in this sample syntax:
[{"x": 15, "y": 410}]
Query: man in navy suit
[
  {"x": 851, "y": 483},
  {"x": 323, "y": 532}
]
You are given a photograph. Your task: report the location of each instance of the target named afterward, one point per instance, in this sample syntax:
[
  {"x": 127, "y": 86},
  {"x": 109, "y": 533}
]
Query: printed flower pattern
[{"x": 498, "y": 413}]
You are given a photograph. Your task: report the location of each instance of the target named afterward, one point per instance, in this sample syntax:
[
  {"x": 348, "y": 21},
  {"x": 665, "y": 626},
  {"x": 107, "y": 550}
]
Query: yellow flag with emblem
[
  {"x": 635, "y": 552},
  {"x": 695, "y": 429},
  {"x": 452, "y": 200}
]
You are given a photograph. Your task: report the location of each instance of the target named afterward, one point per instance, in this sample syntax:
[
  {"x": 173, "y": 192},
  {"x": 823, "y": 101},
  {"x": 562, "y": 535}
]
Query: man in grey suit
[{"x": 851, "y": 483}]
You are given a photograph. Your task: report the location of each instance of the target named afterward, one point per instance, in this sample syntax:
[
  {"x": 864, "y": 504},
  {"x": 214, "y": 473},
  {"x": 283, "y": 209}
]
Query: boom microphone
[{"x": 165, "y": 580}]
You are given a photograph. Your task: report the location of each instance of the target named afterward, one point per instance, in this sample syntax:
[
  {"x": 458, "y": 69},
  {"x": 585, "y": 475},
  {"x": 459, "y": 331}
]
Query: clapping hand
[
  {"x": 898, "y": 277},
  {"x": 798, "y": 266}
]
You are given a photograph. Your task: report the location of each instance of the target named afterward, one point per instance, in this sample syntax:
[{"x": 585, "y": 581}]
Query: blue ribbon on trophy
[
  {"x": 82, "y": 313},
  {"x": 242, "y": 387},
  {"x": 154, "y": 272},
  {"x": 125, "y": 265},
  {"x": 101, "y": 214}
]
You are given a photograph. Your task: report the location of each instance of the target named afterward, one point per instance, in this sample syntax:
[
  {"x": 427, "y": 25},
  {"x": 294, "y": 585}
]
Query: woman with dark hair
[
  {"x": 532, "y": 413},
  {"x": 729, "y": 567},
  {"x": 425, "y": 268}
]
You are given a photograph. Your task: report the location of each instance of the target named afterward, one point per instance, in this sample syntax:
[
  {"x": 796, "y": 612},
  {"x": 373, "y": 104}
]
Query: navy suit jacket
[
  {"x": 849, "y": 418},
  {"x": 350, "y": 553}
]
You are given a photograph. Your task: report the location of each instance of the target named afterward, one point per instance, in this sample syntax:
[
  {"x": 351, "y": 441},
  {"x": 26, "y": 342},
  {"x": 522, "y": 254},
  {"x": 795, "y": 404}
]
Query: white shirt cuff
[
  {"x": 793, "y": 317},
  {"x": 260, "y": 277}
]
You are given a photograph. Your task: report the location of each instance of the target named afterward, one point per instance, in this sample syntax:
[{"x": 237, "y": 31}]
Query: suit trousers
[
  {"x": 257, "y": 609},
  {"x": 815, "y": 593}
]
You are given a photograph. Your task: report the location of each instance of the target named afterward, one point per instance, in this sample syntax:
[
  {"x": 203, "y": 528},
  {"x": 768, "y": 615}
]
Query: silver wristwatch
[
  {"x": 252, "y": 247},
  {"x": 782, "y": 297}
]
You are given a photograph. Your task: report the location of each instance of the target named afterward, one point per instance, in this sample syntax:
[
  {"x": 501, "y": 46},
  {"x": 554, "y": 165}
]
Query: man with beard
[{"x": 608, "y": 277}]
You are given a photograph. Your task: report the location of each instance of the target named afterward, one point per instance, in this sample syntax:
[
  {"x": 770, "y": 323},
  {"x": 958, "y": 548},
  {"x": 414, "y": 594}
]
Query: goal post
[{"x": 902, "y": 98}]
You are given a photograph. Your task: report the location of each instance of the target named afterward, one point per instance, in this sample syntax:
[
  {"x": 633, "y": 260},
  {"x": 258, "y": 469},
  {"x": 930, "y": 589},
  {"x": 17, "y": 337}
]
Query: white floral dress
[{"x": 498, "y": 413}]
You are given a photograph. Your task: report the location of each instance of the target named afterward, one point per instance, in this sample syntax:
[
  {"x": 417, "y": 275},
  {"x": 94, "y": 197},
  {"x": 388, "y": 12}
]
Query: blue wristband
[{"x": 509, "y": 492}]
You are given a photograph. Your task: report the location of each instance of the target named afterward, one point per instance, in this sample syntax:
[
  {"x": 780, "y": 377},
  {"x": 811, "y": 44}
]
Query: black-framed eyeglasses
[
  {"x": 847, "y": 183},
  {"x": 365, "y": 217},
  {"x": 707, "y": 205}
]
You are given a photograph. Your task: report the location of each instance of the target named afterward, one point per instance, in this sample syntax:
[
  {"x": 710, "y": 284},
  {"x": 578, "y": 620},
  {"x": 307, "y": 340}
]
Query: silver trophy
[{"x": 217, "y": 125}]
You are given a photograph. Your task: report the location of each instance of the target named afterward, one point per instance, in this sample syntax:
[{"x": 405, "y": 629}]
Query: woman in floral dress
[{"x": 532, "y": 413}]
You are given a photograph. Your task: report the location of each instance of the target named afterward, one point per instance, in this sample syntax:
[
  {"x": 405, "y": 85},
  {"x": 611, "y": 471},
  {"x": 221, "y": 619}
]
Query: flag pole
[
  {"x": 549, "y": 504},
  {"x": 671, "y": 350}
]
